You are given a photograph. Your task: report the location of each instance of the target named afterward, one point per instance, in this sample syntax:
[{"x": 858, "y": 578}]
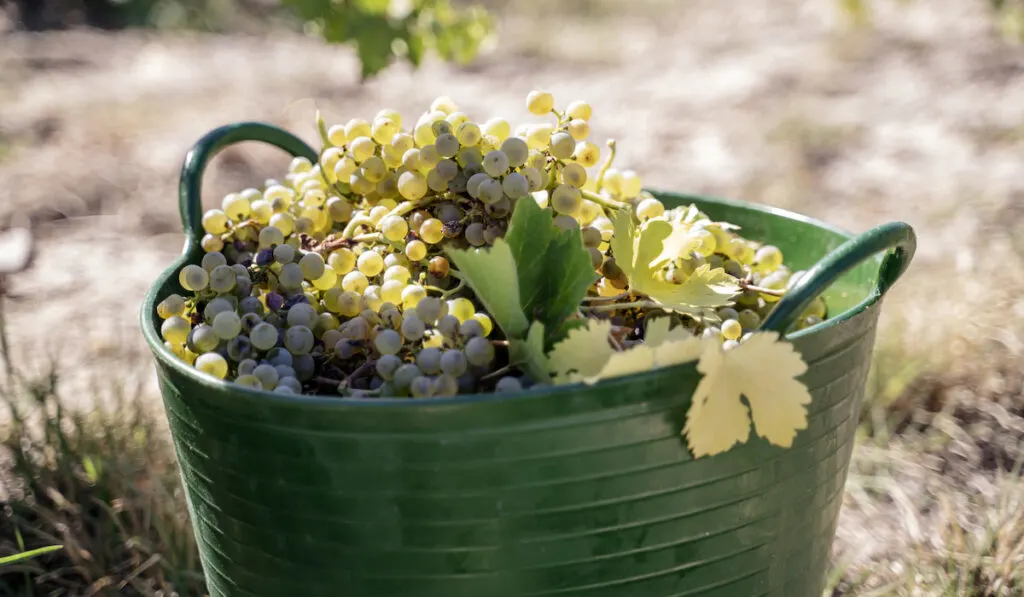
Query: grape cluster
[{"x": 334, "y": 279}]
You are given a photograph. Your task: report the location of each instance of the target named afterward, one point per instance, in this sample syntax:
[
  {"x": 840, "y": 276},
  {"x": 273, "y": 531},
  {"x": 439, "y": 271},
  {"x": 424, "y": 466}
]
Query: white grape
[
  {"x": 404, "y": 375},
  {"x": 171, "y": 306},
  {"x": 446, "y": 144},
  {"x": 216, "y": 307},
  {"x": 284, "y": 254},
  {"x": 649, "y": 208},
  {"x": 412, "y": 185},
  {"x": 312, "y": 265},
  {"x": 631, "y": 186},
  {"x": 421, "y": 387},
  {"x": 227, "y": 325},
  {"x": 565, "y": 222},
  {"x": 362, "y": 148},
  {"x": 416, "y": 250},
  {"x": 468, "y": 134},
  {"x": 497, "y": 127},
  {"x": 193, "y": 278},
  {"x": 538, "y": 137},
  {"x": 374, "y": 169},
  {"x": 540, "y": 102},
  {"x": 430, "y": 309},
  {"x": 383, "y": 130},
  {"x": 211, "y": 242},
  {"x": 212, "y": 363},
  {"x": 516, "y": 151},
  {"x": 475, "y": 234},
  {"x": 222, "y": 279},
  {"x": 471, "y": 328},
  {"x": 411, "y": 295},
  {"x": 290, "y": 276},
  {"x": 587, "y": 154},
  {"x": 453, "y": 362},
  {"x": 298, "y": 339},
  {"x": 562, "y": 145},
  {"x": 370, "y": 263},
  {"x": 575, "y": 175},
  {"x": 270, "y": 237},
  {"x": 579, "y": 129},
  {"x": 345, "y": 167},
  {"x": 388, "y": 364},
  {"x": 566, "y": 199},
  {"x": 285, "y": 222},
  {"x": 336, "y": 135},
  {"x": 508, "y": 384},
  {"x": 301, "y": 314},
  {"x": 204, "y": 339},
  {"x": 175, "y": 329},
  {"x": 357, "y": 127},
  {"x": 490, "y": 191},
  {"x": 479, "y": 351},
  {"x": 267, "y": 375},
  {"x": 398, "y": 273},
  {"x": 215, "y": 221},
  {"x": 429, "y": 360},
  {"x": 578, "y": 110},
  {"x": 388, "y": 342},
  {"x": 235, "y": 207},
  {"x": 264, "y": 336},
  {"x": 474, "y": 182},
  {"x": 355, "y": 281}
]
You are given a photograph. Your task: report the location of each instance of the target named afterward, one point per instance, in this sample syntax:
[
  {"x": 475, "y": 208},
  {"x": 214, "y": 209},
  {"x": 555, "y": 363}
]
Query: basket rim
[{"x": 148, "y": 320}]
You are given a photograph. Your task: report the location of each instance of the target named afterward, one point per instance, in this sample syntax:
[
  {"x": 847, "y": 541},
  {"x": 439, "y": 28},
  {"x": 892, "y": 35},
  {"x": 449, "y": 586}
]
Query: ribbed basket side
[{"x": 588, "y": 492}]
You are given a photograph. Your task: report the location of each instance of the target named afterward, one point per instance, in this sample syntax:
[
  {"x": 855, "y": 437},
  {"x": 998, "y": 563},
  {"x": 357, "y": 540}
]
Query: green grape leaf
[
  {"x": 639, "y": 252},
  {"x": 528, "y": 354},
  {"x": 553, "y": 267},
  {"x": 491, "y": 273},
  {"x": 374, "y": 7}
]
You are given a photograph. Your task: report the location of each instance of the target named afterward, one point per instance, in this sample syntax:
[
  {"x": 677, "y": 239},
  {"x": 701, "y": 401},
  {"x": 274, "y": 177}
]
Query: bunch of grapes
[{"x": 334, "y": 279}]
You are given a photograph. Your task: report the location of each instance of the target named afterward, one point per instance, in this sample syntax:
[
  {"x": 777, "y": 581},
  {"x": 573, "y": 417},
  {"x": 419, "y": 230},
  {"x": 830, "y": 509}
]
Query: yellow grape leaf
[
  {"x": 635, "y": 252},
  {"x": 583, "y": 353},
  {"x": 679, "y": 242},
  {"x": 762, "y": 369}
]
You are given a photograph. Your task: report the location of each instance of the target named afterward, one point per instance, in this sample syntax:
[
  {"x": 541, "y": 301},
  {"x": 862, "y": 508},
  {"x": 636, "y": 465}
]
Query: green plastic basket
[{"x": 570, "y": 490}]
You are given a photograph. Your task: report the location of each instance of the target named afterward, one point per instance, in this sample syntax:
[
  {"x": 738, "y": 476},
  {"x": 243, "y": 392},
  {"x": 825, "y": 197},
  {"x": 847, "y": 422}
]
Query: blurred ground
[{"x": 919, "y": 118}]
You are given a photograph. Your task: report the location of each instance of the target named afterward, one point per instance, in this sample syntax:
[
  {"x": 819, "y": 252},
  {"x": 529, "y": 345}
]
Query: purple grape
[
  {"x": 239, "y": 245},
  {"x": 274, "y": 301},
  {"x": 265, "y": 257}
]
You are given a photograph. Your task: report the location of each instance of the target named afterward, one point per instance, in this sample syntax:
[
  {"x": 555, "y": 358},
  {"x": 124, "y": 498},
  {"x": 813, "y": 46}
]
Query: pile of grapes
[{"x": 335, "y": 280}]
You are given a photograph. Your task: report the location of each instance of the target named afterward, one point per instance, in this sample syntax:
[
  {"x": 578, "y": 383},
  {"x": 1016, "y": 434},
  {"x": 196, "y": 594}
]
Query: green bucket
[{"x": 571, "y": 490}]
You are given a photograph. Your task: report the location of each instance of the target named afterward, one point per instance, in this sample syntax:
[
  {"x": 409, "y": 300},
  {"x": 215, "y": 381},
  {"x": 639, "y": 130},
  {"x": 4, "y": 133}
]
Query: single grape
[
  {"x": 430, "y": 309},
  {"x": 416, "y": 250},
  {"x": 305, "y": 367},
  {"x": 394, "y": 229},
  {"x": 301, "y": 314},
  {"x": 445, "y": 386},
  {"x": 562, "y": 145},
  {"x": 249, "y": 381},
  {"x": 342, "y": 261},
  {"x": 749, "y": 320},
  {"x": 282, "y": 254},
  {"x": 370, "y": 263},
  {"x": 591, "y": 237},
  {"x": 270, "y": 237},
  {"x": 284, "y": 222},
  {"x": 355, "y": 281},
  {"x": 202, "y": 339},
  {"x": 468, "y": 134},
  {"x": 290, "y": 276},
  {"x": 565, "y": 222},
  {"x": 246, "y": 366},
  {"x": 211, "y": 242},
  {"x": 216, "y": 307},
  {"x": 383, "y": 130},
  {"x": 649, "y": 208},
  {"x": 515, "y": 150},
  {"x": 475, "y": 234},
  {"x": 448, "y": 325},
  {"x": 387, "y": 365},
  {"x": 768, "y": 258},
  {"x": 227, "y": 325},
  {"x": 411, "y": 295},
  {"x": 212, "y": 260},
  {"x": 267, "y": 375},
  {"x": 587, "y": 154},
  {"x": 327, "y": 281},
  {"x": 388, "y": 342},
  {"x": 193, "y": 278},
  {"x": 421, "y": 387},
  {"x": 171, "y": 306},
  {"x": 515, "y": 185},
  {"x": 508, "y": 384},
  {"x": 439, "y": 266},
  {"x": 499, "y": 209},
  {"x": 479, "y": 351},
  {"x": 540, "y": 102},
  {"x": 263, "y": 336},
  {"x": 251, "y": 320},
  {"x": 215, "y": 221},
  {"x": 579, "y": 129},
  {"x": 453, "y": 362},
  {"x": 441, "y": 127},
  {"x": 728, "y": 313},
  {"x": 471, "y": 328},
  {"x": 413, "y": 328},
  {"x": 212, "y": 363},
  {"x": 497, "y": 127},
  {"x": 566, "y": 199},
  {"x": 391, "y": 291},
  {"x": 404, "y": 375},
  {"x": 298, "y": 340},
  {"x": 578, "y": 110},
  {"x": 731, "y": 329},
  {"x": 496, "y": 163},
  {"x": 429, "y": 360},
  {"x": 535, "y": 180},
  {"x": 446, "y": 144},
  {"x": 265, "y": 257},
  {"x": 222, "y": 279},
  {"x": 412, "y": 185}
]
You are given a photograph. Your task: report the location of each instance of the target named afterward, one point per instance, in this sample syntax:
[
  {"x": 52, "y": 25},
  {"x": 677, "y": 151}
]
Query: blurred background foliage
[{"x": 380, "y": 30}]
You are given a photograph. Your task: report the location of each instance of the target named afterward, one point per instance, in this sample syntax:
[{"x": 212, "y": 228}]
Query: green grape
[
  {"x": 404, "y": 375},
  {"x": 285, "y": 222},
  {"x": 446, "y": 144},
  {"x": 539, "y": 136},
  {"x": 345, "y": 168},
  {"x": 261, "y": 211},
  {"x": 440, "y": 127},
  {"x": 591, "y": 237},
  {"x": 461, "y": 308},
  {"x": 391, "y": 291},
  {"x": 388, "y": 364},
  {"x": 777, "y": 280},
  {"x": 270, "y": 237},
  {"x": 402, "y": 142},
  {"x": 817, "y": 308},
  {"x": 215, "y": 221},
  {"x": 397, "y": 272},
  {"x": 650, "y": 208},
  {"x": 211, "y": 242},
  {"x": 175, "y": 330},
  {"x": 383, "y": 130},
  {"x": 327, "y": 281},
  {"x": 216, "y": 307},
  {"x": 731, "y": 329},
  {"x": 631, "y": 186},
  {"x": 342, "y": 261},
  {"x": 496, "y": 163},
  {"x": 468, "y": 134},
  {"x": 222, "y": 279},
  {"x": 749, "y": 320},
  {"x": 578, "y": 129},
  {"x": 193, "y": 278},
  {"x": 490, "y": 192},
  {"x": 479, "y": 351},
  {"x": 357, "y": 127},
  {"x": 416, "y": 250},
  {"x": 235, "y": 207},
  {"x": 394, "y": 229},
  {"x": 412, "y": 185},
  {"x": 497, "y": 127},
  {"x": 336, "y": 135},
  {"x": 540, "y": 102},
  {"x": 448, "y": 325},
  {"x": 299, "y": 339},
  {"x": 436, "y": 181},
  {"x": 432, "y": 231},
  {"x": 597, "y": 258},
  {"x": 508, "y": 384},
  {"x": 566, "y": 199},
  {"x": 370, "y": 263},
  {"x": 267, "y": 375},
  {"x": 587, "y": 154},
  {"x": 421, "y": 387},
  {"x": 388, "y": 342},
  {"x": 374, "y": 169},
  {"x": 362, "y": 148},
  {"x": 515, "y": 185},
  {"x": 312, "y": 265},
  {"x": 535, "y": 180},
  {"x": 429, "y": 360},
  {"x": 474, "y": 234},
  {"x": 263, "y": 336},
  {"x": 575, "y": 175},
  {"x": 562, "y": 145},
  {"x": 170, "y": 306},
  {"x": 411, "y": 295},
  {"x": 284, "y": 254},
  {"x": 430, "y": 309},
  {"x": 213, "y": 260},
  {"x": 768, "y": 258},
  {"x": 471, "y": 328},
  {"x": 355, "y": 281},
  {"x": 378, "y": 212},
  {"x": 516, "y": 151},
  {"x": 453, "y": 362},
  {"x": 301, "y": 314},
  {"x": 212, "y": 363},
  {"x": 445, "y": 386},
  {"x": 470, "y": 158},
  {"x": 578, "y": 110},
  {"x": 227, "y": 325},
  {"x": 290, "y": 276}
]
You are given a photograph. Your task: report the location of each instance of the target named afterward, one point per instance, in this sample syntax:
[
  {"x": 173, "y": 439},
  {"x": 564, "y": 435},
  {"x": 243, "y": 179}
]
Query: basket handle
[
  {"x": 190, "y": 188},
  {"x": 896, "y": 237}
]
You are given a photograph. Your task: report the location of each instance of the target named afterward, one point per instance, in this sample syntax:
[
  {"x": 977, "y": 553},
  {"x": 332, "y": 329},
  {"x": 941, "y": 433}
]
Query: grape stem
[
  {"x": 354, "y": 224},
  {"x": 497, "y": 373},
  {"x": 769, "y": 291},
  {"x": 603, "y": 201},
  {"x": 616, "y": 306},
  {"x": 371, "y": 237},
  {"x": 595, "y": 299},
  {"x": 321, "y": 127},
  {"x": 407, "y": 206},
  {"x": 607, "y": 164}
]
